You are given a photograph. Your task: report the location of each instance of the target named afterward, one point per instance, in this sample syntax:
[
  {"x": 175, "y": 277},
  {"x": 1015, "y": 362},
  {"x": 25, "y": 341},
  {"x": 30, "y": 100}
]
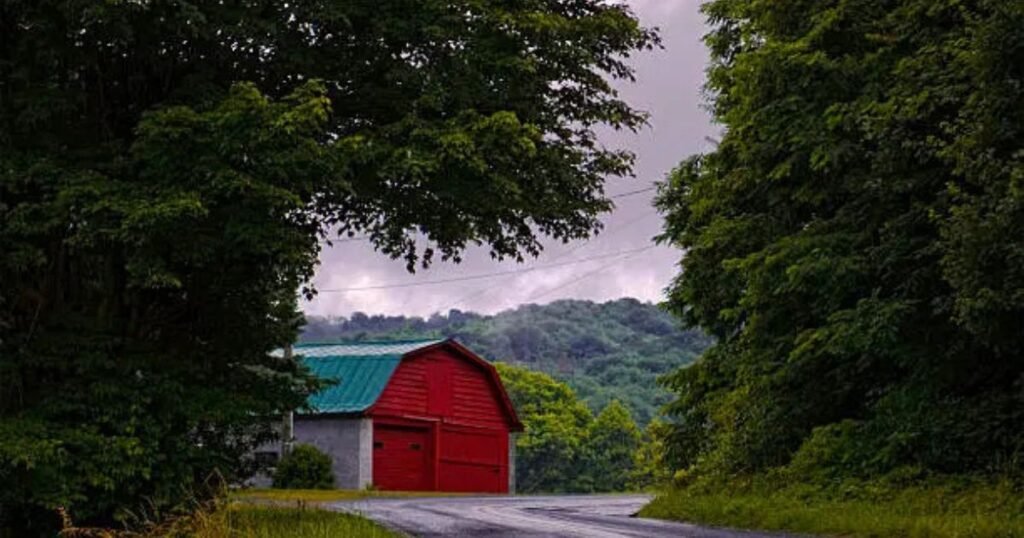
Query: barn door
[
  {"x": 474, "y": 460},
  {"x": 401, "y": 458}
]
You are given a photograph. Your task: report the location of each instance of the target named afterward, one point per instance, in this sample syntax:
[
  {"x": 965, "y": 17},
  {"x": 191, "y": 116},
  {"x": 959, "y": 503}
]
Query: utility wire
[
  {"x": 484, "y": 275},
  {"x": 632, "y": 193},
  {"x": 584, "y": 243},
  {"x": 587, "y": 275}
]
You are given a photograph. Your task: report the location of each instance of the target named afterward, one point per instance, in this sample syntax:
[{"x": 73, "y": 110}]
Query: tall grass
[
  {"x": 247, "y": 521},
  {"x": 956, "y": 510},
  {"x": 240, "y": 520},
  {"x": 328, "y": 495}
]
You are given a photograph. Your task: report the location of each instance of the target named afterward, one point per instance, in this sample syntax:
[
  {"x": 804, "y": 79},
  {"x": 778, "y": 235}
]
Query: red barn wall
[
  {"x": 461, "y": 410},
  {"x": 406, "y": 393}
]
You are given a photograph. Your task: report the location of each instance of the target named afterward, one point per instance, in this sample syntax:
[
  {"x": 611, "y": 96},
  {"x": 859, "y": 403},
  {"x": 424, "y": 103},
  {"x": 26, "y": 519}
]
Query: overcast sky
[{"x": 668, "y": 86}]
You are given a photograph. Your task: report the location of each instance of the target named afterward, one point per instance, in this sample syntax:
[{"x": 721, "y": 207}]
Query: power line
[
  {"x": 584, "y": 243},
  {"x": 632, "y": 193},
  {"x": 587, "y": 275},
  {"x": 484, "y": 275}
]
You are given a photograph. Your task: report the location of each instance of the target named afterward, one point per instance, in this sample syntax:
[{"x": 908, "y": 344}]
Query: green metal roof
[{"x": 361, "y": 369}]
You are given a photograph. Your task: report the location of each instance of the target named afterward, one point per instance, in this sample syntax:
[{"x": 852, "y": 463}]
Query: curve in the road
[{"x": 591, "y": 516}]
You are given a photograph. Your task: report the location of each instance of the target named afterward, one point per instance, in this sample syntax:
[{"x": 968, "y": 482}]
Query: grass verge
[
  {"x": 249, "y": 521},
  {"x": 324, "y": 495},
  {"x": 220, "y": 518},
  {"x": 940, "y": 510}
]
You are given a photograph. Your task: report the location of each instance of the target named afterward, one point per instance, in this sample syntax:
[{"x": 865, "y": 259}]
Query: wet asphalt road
[{"x": 592, "y": 516}]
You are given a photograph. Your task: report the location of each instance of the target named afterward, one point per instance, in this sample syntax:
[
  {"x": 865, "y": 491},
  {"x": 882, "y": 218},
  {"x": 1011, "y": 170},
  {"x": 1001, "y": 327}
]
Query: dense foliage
[
  {"x": 854, "y": 241},
  {"x": 608, "y": 351},
  {"x": 169, "y": 168},
  {"x": 564, "y": 448},
  {"x": 304, "y": 467},
  {"x": 550, "y": 452},
  {"x": 651, "y": 467},
  {"x": 611, "y": 448}
]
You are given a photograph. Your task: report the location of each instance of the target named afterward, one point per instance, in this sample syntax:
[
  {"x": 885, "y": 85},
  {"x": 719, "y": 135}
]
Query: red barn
[{"x": 412, "y": 416}]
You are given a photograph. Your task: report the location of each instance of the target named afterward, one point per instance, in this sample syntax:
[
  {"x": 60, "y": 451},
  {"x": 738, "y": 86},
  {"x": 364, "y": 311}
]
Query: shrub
[{"x": 305, "y": 467}]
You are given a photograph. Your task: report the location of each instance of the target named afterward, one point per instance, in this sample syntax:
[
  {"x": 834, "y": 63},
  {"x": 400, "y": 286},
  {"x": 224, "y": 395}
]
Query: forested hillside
[{"x": 606, "y": 351}]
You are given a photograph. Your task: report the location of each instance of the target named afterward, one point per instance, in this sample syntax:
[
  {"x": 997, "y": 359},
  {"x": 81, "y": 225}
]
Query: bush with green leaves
[{"x": 305, "y": 467}]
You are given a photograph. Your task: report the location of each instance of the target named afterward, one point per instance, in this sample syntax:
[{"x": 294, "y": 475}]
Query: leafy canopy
[
  {"x": 612, "y": 446},
  {"x": 564, "y": 448},
  {"x": 168, "y": 169},
  {"x": 854, "y": 241},
  {"x": 551, "y": 451}
]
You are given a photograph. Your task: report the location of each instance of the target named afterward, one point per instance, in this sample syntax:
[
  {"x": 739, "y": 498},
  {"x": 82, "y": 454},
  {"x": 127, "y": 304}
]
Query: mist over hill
[{"x": 612, "y": 350}]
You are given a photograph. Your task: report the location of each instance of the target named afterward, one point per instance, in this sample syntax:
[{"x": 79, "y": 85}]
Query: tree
[
  {"x": 613, "y": 443},
  {"x": 851, "y": 242},
  {"x": 550, "y": 451},
  {"x": 564, "y": 448},
  {"x": 168, "y": 170},
  {"x": 650, "y": 465}
]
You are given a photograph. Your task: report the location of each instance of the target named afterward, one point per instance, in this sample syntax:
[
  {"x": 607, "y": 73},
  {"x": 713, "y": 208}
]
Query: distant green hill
[{"x": 606, "y": 351}]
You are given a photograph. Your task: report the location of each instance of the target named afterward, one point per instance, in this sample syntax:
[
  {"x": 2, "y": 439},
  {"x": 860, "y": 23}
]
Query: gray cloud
[{"x": 669, "y": 87}]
